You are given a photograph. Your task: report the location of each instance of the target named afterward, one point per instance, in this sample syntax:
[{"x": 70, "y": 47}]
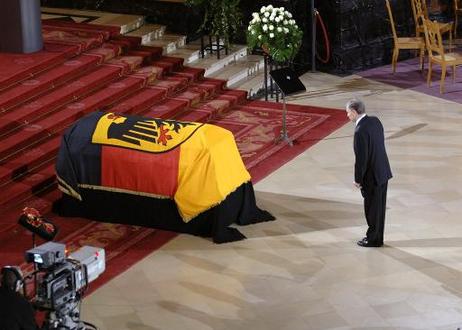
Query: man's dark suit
[
  {"x": 372, "y": 172},
  {"x": 16, "y": 312}
]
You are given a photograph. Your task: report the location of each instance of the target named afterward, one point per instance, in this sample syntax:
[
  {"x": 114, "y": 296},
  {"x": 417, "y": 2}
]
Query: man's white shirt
[{"x": 359, "y": 118}]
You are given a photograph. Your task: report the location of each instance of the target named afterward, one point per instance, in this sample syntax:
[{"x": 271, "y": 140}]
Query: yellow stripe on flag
[{"x": 210, "y": 169}]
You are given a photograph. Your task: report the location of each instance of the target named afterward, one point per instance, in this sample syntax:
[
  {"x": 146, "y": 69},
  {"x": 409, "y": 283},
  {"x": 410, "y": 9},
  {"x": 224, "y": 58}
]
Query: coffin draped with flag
[{"x": 180, "y": 176}]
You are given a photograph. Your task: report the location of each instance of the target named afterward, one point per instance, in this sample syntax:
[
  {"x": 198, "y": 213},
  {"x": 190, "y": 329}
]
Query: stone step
[
  {"x": 76, "y": 19},
  {"x": 126, "y": 23},
  {"x": 148, "y": 32},
  {"x": 212, "y": 65},
  {"x": 253, "y": 84},
  {"x": 169, "y": 42},
  {"x": 241, "y": 69},
  {"x": 189, "y": 52}
]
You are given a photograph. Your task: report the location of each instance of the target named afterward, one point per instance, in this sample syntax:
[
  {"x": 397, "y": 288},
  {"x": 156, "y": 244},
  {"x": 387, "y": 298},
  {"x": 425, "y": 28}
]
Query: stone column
[{"x": 20, "y": 26}]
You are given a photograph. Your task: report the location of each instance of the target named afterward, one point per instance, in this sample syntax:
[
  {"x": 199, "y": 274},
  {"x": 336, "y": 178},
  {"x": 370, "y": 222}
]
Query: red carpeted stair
[{"x": 85, "y": 68}]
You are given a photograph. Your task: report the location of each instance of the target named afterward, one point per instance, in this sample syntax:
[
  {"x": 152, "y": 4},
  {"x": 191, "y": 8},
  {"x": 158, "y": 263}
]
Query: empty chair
[
  {"x": 457, "y": 13},
  {"x": 404, "y": 42},
  {"x": 436, "y": 54},
  {"x": 419, "y": 9}
]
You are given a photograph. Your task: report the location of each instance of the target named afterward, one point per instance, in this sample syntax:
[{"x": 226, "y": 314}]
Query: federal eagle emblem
[{"x": 141, "y": 133}]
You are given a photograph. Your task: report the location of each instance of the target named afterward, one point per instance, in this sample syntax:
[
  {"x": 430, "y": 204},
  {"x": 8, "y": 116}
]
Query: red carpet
[
  {"x": 16, "y": 67},
  {"x": 128, "y": 78},
  {"x": 257, "y": 124}
]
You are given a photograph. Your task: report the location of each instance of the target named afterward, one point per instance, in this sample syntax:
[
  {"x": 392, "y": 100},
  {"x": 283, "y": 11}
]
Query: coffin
[{"x": 167, "y": 174}]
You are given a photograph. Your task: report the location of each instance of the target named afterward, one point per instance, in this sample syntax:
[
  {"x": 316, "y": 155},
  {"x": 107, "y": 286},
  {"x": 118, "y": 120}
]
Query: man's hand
[{"x": 357, "y": 185}]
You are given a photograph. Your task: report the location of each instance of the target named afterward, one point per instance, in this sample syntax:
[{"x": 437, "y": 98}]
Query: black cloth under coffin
[{"x": 239, "y": 207}]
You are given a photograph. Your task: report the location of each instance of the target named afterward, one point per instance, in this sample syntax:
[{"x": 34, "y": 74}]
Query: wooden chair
[
  {"x": 404, "y": 42},
  {"x": 436, "y": 53},
  {"x": 419, "y": 9},
  {"x": 457, "y": 13}
]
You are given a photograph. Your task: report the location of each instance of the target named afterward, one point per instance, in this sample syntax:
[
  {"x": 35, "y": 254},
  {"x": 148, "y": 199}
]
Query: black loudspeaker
[{"x": 20, "y": 26}]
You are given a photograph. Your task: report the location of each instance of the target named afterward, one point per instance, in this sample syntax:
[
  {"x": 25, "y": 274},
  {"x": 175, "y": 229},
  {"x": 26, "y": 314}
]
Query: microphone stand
[{"x": 284, "y": 136}]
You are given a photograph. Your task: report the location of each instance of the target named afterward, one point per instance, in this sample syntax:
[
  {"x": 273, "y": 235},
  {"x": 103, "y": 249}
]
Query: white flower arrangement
[{"x": 276, "y": 32}]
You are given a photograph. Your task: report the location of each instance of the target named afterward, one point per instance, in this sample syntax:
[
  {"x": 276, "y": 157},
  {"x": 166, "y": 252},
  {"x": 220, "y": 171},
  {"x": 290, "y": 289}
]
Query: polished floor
[{"x": 305, "y": 271}]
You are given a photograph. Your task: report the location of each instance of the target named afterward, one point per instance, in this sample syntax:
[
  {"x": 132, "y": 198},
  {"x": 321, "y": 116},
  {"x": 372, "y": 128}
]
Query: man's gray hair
[{"x": 356, "y": 105}]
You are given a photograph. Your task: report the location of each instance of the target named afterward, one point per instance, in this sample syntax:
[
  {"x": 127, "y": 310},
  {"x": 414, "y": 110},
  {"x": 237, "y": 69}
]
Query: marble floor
[{"x": 305, "y": 271}]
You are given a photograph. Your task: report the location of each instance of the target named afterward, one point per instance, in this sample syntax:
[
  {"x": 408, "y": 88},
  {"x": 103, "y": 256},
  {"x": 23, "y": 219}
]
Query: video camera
[{"x": 61, "y": 281}]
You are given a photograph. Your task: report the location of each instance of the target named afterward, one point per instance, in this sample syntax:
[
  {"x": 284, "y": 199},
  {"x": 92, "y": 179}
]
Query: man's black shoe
[{"x": 365, "y": 243}]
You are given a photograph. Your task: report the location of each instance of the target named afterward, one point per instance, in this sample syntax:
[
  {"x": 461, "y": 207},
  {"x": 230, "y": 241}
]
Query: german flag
[{"x": 196, "y": 165}]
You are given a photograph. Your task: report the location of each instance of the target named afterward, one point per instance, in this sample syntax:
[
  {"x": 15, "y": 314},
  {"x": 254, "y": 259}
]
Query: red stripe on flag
[{"x": 140, "y": 171}]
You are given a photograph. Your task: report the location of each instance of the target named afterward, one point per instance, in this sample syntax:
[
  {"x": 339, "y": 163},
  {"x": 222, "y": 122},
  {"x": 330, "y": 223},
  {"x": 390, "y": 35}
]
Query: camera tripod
[{"x": 66, "y": 318}]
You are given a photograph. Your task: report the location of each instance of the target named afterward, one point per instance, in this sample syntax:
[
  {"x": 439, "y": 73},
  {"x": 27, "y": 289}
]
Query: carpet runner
[
  {"x": 86, "y": 68},
  {"x": 409, "y": 76}
]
